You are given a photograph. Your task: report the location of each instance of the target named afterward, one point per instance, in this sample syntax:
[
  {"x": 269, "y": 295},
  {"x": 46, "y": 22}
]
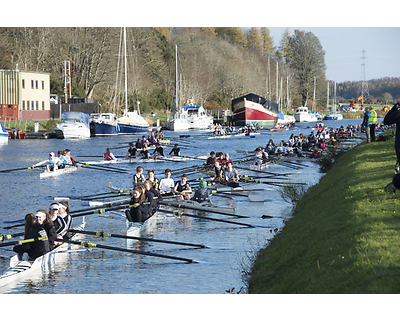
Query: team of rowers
[
  {"x": 47, "y": 228},
  {"x": 147, "y": 193},
  {"x": 218, "y": 129},
  {"x": 53, "y": 163},
  {"x": 314, "y": 143},
  {"x": 144, "y": 153}
]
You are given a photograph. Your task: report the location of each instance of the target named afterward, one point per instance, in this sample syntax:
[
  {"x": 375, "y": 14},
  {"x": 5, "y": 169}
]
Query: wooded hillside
[{"x": 215, "y": 65}]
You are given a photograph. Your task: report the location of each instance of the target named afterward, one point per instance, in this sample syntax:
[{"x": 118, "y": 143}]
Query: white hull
[
  {"x": 135, "y": 229},
  {"x": 303, "y": 115},
  {"x": 47, "y": 174},
  {"x": 20, "y": 270},
  {"x": 178, "y": 124},
  {"x": 72, "y": 132},
  {"x": 3, "y": 137},
  {"x": 3, "y": 134}
]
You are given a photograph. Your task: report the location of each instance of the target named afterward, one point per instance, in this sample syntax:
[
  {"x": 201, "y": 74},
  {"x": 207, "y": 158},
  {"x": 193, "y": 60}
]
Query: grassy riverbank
[{"x": 344, "y": 236}]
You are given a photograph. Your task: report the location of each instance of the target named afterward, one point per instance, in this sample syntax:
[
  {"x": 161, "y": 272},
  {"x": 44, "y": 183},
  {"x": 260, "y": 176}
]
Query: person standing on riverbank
[
  {"x": 365, "y": 124},
  {"x": 373, "y": 118},
  {"x": 393, "y": 116}
]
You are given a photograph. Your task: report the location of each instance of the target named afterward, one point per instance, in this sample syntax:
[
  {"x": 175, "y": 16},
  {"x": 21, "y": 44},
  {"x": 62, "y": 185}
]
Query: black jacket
[{"x": 393, "y": 117}]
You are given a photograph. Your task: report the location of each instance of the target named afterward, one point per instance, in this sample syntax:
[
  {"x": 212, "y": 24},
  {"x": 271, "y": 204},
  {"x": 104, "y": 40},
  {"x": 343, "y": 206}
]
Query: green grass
[{"x": 344, "y": 236}]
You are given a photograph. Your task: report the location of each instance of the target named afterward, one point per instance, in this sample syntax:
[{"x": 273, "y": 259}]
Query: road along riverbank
[{"x": 344, "y": 234}]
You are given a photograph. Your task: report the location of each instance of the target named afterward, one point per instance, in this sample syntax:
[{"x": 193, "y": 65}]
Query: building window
[
  {"x": 27, "y": 105},
  {"x": 23, "y": 105},
  {"x": 23, "y": 83},
  {"x": 37, "y": 105},
  {"x": 42, "y": 105},
  {"x": 37, "y": 84},
  {"x": 42, "y": 85},
  {"x": 32, "y": 84},
  {"x": 32, "y": 105}
]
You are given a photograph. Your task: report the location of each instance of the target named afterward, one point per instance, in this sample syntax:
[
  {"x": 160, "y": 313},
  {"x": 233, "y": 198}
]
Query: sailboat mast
[
  {"x": 126, "y": 77},
  {"x": 176, "y": 79}
]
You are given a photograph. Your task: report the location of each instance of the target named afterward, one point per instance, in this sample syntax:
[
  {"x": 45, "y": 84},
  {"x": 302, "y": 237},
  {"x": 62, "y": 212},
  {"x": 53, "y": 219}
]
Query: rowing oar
[
  {"x": 6, "y": 244},
  {"x": 84, "y": 165},
  {"x": 89, "y": 196},
  {"x": 274, "y": 183},
  {"x": 9, "y": 236},
  {"x": 90, "y": 245},
  {"x": 82, "y": 213},
  {"x": 104, "y": 234},
  {"x": 260, "y": 171},
  {"x": 17, "y": 169},
  {"x": 99, "y": 210},
  {"x": 100, "y": 166},
  {"x": 178, "y": 213},
  {"x": 203, "y": 208}
]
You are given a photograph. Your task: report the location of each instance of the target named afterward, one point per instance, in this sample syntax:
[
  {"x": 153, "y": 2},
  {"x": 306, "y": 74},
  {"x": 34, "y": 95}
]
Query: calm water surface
[{"x": 104, "y": 271}]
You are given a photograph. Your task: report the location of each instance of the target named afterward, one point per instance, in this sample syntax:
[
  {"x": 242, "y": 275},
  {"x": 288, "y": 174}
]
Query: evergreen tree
[
  {"x": 254, "y": 39},
  {"x": 268, "y": 48},
  {"x": 307, "y": 58}
]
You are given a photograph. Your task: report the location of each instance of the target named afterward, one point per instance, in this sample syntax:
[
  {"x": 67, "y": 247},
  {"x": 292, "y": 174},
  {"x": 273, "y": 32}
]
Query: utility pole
[
  {"x": 364, "y": 91},
  {"x": 67, "y": 80},
  {"x": 313, "y": 101}
]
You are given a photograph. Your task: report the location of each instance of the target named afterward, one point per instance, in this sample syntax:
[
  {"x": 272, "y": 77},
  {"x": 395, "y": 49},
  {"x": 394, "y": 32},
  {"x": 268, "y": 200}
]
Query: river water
[{"x": 220, "y": 266}]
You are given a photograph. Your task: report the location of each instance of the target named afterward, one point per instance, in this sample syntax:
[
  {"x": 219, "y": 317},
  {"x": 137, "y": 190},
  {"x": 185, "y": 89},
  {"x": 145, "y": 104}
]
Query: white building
[{"x": 25, "y": 94}]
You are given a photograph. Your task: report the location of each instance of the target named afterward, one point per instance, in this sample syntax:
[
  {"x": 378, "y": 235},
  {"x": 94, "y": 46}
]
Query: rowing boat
[
  {"x": 136, "y": 160},
  {"x": 135, "y": 229},
  {"x": 55, "y": 173},
  {"x": 20, "y": 270},
  {"x": 261, "y": 166}
]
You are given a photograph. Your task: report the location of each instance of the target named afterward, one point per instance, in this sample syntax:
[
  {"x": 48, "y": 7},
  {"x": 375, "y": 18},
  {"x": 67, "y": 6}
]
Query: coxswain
[
  {"x": 201, "y": 194},
  {"x": 132, "y": 151},
  {"x": 176, "y": 151},
  {"x": 44, "y": 219},
  {"x": 52, "y": 162},
  {"x": 36, "y": 248},
  {"x": 108, "y": 155},
  {"x": 232, "y": 176},
  {"x": 167, "y": 183},
  {"x": 138, "y": 177},
  {"x": 182, "y": 188},
  {"x": 140, "y": 209},
  {"x": 145, "y": 153},
  {"x": 158, "y": 152}
]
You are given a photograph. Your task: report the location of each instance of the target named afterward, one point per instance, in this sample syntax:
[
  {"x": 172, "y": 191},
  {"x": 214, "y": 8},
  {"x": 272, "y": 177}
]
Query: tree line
[{"x": 215, "y": 64}]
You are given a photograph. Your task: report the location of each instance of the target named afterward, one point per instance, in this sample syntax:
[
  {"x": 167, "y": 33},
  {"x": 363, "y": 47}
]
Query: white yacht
[
  {"x": 304, "y": 115},
  {"x": 73, "y": 125},
  {"x": 178, "y": 122},
  {"x": 196, "y": 116}
]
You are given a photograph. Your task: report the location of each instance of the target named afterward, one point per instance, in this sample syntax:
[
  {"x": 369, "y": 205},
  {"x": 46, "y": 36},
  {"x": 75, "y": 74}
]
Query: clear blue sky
[
  {"x": 343, "y": 50},
  {"x": 377, "y": 31}
]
